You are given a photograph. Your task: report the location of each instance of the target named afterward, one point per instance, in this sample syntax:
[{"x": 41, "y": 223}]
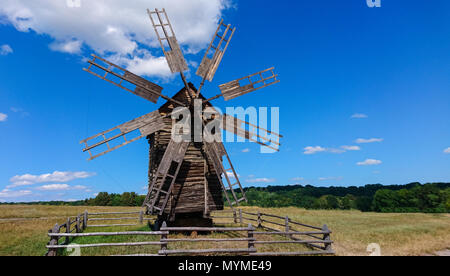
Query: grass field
[{"x": 23, "y": 230}]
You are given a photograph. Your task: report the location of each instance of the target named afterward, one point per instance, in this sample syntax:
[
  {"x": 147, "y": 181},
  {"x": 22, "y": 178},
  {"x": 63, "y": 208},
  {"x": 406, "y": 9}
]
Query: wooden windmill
[{"x": 186, "y": 179}]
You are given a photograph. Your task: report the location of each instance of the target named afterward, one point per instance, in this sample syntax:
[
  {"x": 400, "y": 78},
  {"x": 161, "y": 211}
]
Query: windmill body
[{"x": 188, "y": 179}]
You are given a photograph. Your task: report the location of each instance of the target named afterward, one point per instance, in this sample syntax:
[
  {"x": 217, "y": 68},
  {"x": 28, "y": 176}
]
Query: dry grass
[
  {"x": 353, "y": 231},
  {"x": 397, "y": 234}
]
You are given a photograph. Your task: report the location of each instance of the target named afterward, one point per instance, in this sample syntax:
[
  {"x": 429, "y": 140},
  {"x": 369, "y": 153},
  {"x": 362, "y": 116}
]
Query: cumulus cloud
[
  {"x": 261, "y": 180},
  {"x": 342, "y": 149},
  {"x": 54, "y": 187},
  {"x": 231, "y": 175},
  {"x": 314, "y": 150},
  {"x": 29, "y": 179},
  {"x": 3, "y": 117},
  {"x": 447, "y": 151},
  {"x": 116, "y": 27},
  {"x": 368, "y": 141},
  {"x": 60, "y": 187},
  {"x": 6, "y": 193},
  {"x": 5, "y": 50},
  {"x": 369, "y": 162},
  {"x": 351, "y": 148},
  {"x": 359, "y": 116},
  {"x": 71, "y": 47}
]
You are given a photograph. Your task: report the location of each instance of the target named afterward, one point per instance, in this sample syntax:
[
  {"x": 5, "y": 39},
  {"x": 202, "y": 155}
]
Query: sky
[{"x": 363, "y": 97}]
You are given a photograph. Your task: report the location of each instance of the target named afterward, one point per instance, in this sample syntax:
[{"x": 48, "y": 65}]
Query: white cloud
[
  {"x": 314, "y": 150},
  {"x": 367, "y": 141},
  {"x": 3, "y": 117},
  {"x": 231, "y": 175},
  {"x": 246, "y": 150},
  {"x": 5, "y": 49},
  {"x": 29, "y": 179},
  {"x": 116, "y": 27},
  {"x": 447, "y": 151},
  {"x": 61, "y": 187},
  {"x": 331, "y": 178},
  {"x": 369, "y": 162},
  {"x": 22, "y": 112},
  {"x": 6, "y": 193},
  {"x": 144, "y": 63},
  {"x": 71, "y": 47},
  {"x": 261, "y": 180},
  {"x": 342, "y": 149},
  {"x": 351, "y": 148},
  {"x": 54, "y": 187},
  {"x": 359, "y": 116}
]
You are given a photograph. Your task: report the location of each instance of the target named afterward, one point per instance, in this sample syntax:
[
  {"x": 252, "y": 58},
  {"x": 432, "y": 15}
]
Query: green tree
[{"x": 102, "y": 199}]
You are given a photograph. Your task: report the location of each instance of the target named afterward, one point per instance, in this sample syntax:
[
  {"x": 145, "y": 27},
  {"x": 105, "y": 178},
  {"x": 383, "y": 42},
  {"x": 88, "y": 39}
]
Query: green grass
[{"x": 23, "y": 231}]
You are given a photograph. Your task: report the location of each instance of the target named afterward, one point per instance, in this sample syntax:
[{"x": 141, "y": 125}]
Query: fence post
[
  {"x": 240, "y": 217},
  {"x": 141, "y": 217},
  {"x": 53, "y": 241},
  {"x": 326, "y": 237},
  {"x": 259, "y": 220},
  {"x": 78, "y": 224},
  {"x": 235, "y": 216},
  {"x": 85, "y": 220},
  {"x": 251, "y": 243},
  {"x": 286, "y": 228},
  {"x": 68, "y": 230},
  {"x": 163, "y": 238}
]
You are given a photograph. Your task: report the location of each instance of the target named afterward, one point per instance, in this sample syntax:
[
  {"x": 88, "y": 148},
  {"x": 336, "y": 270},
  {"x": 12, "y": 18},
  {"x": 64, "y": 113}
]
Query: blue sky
[{"x": 390, "y": 66}]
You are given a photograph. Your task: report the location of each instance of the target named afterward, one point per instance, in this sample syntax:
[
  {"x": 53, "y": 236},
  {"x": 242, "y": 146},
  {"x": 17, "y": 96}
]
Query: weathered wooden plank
[
  {"x": 113, "y": 213},
  {"x": 293, "y": 242},
  {"x": 112, "y": 225},
  {"x": 99, "y": 234},
  {"x": 104, "y": 245},
  {"x": 109, "y": 219},
  {"x": 305, "y": 253},
  {"x": 147, "y": 124},
  {"x": 204, "y": 229},
  {"x": 290, "y": 233},
  {"x": 234, "y": 89},
  {"x": 209, "y": 240},
  {"x": 209, "y": 66},
  {"x": 144, "y": 88},
  {"x": 207, "y": 251}
]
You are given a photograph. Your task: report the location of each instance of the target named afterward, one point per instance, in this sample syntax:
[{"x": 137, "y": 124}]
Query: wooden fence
[
  {"x": 79, "y": 223},
  {"x": 269, "y": 229}
]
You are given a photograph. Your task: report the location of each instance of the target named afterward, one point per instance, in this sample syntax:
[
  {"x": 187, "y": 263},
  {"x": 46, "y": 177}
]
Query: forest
[{"x": 410, "y": 198}]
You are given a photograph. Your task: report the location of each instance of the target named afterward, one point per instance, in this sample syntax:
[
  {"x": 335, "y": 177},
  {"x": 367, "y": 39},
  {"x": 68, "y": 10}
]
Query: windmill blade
[
  {"x": 172, "y": 50},
  {"x": 169, "y": 168},
  {"x": 147, "y": 124},
  {"x": 215, "y": 152},
  {"x": 215, "y": 52},
  {"x": 234, "y": 89},
  {"x": 259, "y": 135},
  {"x": 144, "y": 88}
]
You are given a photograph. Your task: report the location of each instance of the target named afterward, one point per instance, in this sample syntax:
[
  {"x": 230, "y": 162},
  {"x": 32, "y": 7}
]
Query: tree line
[{"x": 413, "y": 197}]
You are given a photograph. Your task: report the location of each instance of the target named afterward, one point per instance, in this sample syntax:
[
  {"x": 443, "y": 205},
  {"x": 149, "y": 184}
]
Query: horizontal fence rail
[
  {"x": 264, "y": 232},
  {"x": 74, "y": 225}
]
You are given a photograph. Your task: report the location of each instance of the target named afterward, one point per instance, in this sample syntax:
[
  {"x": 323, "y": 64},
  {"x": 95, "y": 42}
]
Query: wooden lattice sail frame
[{"x": 184, "y": 177}]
